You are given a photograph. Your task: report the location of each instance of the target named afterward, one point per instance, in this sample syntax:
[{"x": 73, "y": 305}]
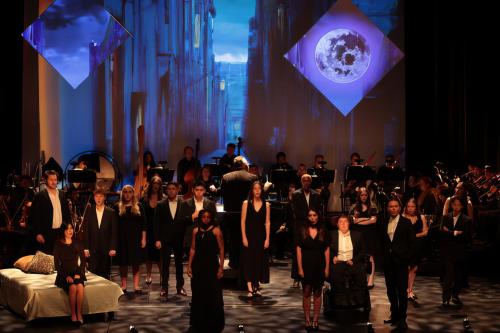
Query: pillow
[
  {"x": 42, "y": 264},
  {"x": 23, "y": 263}
]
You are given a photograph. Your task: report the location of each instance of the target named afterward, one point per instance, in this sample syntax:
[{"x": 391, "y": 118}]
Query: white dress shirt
[
  {"x": 198, "y": 204},
  {"x": 308, "y": 194},
  {"x": 345, "y": 247},
  {"x": 391, "y": 227},
  {"x": 99, "y": 214},
  {"x": 56, "y": 209},
  {"x": 173, "y": 207}
]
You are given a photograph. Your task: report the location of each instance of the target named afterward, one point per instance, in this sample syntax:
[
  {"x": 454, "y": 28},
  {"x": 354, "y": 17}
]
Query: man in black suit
[
  {"x": 398, "y": 248},
  {"x": 190, "y": 209},
  {"x": 302, "y": 201},
  {"x": 169, "y": 229},
  {"x": 456, "y": 230},
  {"x": 235, "y": 187},
  {"x": 347, "y": 251},
  {"x": 49, "y": 211},
  {"x": 100, "y": 235}
]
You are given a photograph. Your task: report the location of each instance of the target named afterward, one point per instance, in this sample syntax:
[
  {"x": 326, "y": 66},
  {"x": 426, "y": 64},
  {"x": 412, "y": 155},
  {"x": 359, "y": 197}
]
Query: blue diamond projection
[
  {"x": 75, "y": 37},
  {"x": 344, "y": 55}
]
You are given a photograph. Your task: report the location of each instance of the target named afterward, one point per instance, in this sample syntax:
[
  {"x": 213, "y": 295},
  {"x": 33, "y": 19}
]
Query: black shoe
[
  {"x": 402, "y": 326},
  {"x": 315, "y": 326},
  {"x": 455, "y": 300},
  {"x": 308, "y": 326},
  {"x": 181, "y": 291},
  {"x": 445, "y": 304}
]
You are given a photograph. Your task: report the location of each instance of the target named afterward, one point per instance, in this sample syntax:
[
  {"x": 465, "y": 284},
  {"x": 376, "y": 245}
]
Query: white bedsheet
[{"x": 36, "y": 296}]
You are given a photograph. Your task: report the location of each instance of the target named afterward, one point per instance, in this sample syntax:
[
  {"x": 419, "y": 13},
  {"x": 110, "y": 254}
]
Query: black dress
[
  {"x": 313, "y": 259},
  {"x": 130, "y": 228},
  {"x": 255, "y": 263},
  {"x": 418, "y": 226},
  {"x": 69, "y": 260},
  {"x": 207, "y": 305},
  {"x": 369, "y": 232},
  {"x": 153, "y": 254}
]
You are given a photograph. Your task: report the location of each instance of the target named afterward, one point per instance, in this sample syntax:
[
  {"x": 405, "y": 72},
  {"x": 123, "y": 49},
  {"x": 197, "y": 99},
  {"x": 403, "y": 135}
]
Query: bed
[{"x": 35, "y": 295}]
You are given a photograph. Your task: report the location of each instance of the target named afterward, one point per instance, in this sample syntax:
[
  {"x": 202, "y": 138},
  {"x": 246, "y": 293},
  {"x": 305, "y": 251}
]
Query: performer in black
[
  {"x": 313, "y": 258},
  {"x": 205, "y": 268},
  {"x": 364, "y": 217},
  {"x": 190, "y": 165},
  {"x": 100, "y": 235},
  {"x": 227, "y": 159},
  {"x": 456, "y": 230},
  {"x": 132, "y": 227},
  {"x": 69, "y": 262},
  {"x": 255, "y": 233},
  {"x": 398, "y": 248},
  {"x": 49, "y": 211},
  {"x": 152, "y": 196},
  {"x": 234, "y": 189},
  {"x": 169, "y": 230},
  {"x": 303, "y": 200}
]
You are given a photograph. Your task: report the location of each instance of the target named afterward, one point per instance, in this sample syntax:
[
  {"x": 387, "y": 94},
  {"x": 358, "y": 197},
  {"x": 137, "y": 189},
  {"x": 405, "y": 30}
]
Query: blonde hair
[{"x": 135, "y": 206}]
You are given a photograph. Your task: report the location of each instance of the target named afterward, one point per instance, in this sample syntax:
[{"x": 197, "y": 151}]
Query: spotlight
[
  {"x": 133, "y": 329},
  {"x": 241, "y": 328}
]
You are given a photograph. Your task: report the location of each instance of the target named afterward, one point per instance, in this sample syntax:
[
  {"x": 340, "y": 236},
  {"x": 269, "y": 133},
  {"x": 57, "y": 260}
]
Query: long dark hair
[
  {"x": 146, "y": 153},
  {"x": 149, "y": 192},
  {"x": 305, "y": 226},
  {"x": 358, "y": 206},
  {"x": 250, "y": 194}
]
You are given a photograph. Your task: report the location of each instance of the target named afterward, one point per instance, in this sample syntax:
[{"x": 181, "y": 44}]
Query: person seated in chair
[{"x": 347, "y": 251}]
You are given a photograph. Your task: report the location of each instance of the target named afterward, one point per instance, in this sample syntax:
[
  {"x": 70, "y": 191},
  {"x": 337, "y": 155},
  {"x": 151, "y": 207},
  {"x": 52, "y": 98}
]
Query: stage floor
[{"x": 280, "y": 310}]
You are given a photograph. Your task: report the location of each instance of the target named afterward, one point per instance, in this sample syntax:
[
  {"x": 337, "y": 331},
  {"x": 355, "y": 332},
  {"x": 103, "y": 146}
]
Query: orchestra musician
[
  {"x": 227, "y": 159},
  {"x": 187, "y": 169}
]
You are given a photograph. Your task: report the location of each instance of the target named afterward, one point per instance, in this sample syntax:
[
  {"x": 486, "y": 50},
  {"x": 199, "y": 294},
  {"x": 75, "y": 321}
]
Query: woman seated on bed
[{"x": 69, "y": 262}]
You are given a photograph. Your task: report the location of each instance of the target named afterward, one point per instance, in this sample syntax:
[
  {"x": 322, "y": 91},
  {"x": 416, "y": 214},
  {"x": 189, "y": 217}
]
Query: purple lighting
[{"x": 344, "y": 55}]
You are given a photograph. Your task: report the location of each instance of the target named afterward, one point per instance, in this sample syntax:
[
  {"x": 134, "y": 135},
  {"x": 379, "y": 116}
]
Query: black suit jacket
[
  {"x": 188, "y": 207},
  {"x": 41, "y": 212},
  {"x": 104, "y": 238},
  {"x": 358, "y": 246},
  {"x": 235, "y": 187},
  {"x": 166, "y": 228},
  {"x": 455, "y": 247},
  {"x": 299, "y": 204},
  {"x": 402, "y": 248}
]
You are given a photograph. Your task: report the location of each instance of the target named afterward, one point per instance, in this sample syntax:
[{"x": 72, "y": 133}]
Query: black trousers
[
  {"x": 343, "y": 274},
  {"x": 233, "y": 224},
  {"x": 50, "y": 237},
  {"x": 454, "y": 277},
  {"x": 396, "y": 281},
  {"x": 165, "y": 255},
  {"x": 99, "y": 264}
]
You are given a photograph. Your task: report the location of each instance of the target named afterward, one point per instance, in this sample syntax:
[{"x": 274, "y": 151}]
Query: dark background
[{"x": 451, "y": 83}]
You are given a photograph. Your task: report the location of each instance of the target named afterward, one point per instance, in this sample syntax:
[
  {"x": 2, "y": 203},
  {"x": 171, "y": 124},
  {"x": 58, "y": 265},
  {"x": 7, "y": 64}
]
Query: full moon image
[{"x": 342, "y": 55}]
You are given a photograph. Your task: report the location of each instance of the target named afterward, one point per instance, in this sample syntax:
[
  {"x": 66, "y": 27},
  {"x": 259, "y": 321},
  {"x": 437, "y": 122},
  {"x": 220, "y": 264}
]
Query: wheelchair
[{"x": 350, "y": 296}]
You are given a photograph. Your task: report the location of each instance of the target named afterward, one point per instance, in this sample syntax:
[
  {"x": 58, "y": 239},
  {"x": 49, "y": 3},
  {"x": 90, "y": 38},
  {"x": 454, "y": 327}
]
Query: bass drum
[{"x": 108, "y": 176}]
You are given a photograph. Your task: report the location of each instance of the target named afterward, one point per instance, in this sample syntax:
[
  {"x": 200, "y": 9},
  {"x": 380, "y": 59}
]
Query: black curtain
[{"x": 451, "y": 83}]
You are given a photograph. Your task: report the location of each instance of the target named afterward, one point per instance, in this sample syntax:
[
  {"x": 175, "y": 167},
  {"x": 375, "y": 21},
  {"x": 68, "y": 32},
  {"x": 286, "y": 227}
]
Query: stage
[{"x": 280, "y": 310}]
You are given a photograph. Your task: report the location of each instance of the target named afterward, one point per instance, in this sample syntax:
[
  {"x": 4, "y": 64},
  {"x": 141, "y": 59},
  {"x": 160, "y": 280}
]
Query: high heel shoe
[
  {"x": 149, "y": 280},
  {"x": 308, "y": 326},
  {"x": 315, "y": 326}
]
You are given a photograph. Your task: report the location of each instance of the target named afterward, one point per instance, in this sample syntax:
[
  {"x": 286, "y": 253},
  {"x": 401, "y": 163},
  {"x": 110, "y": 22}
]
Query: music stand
[
  {"x": 282, "y": 178},
  {"x": 82, "y": 176},
  {"x": 166, "y": 175},
  {"x": 359, "y": 173},
  {"x": 217, "y": 170}
]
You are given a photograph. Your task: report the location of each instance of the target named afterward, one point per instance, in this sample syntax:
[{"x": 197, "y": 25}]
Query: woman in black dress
[
  {"x": 419, "y": 223},
  {"x": 131, "y": 236},
  {"x": 69, "y": 262},
  {"x": 313, "y": 259},
  {"x": 255, "y": 230},
  {"x": 153, "y": 195},
  {"x": 364, "y": 220},
  {"x": 205, "y": 268}
]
